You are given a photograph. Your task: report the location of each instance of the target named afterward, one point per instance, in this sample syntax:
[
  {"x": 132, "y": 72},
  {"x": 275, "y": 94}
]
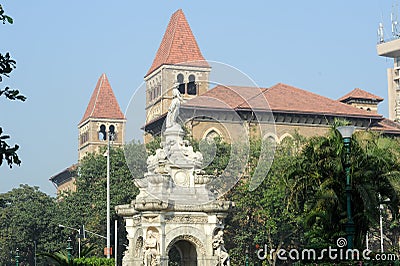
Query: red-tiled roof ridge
[
  {"x": 103, "y": 103},
  {"x": 308, "y": 102},
  {"x": 358, "y": 93},
  {"x": 178, "y": 45},
  {"x": 278, "y": 98}
]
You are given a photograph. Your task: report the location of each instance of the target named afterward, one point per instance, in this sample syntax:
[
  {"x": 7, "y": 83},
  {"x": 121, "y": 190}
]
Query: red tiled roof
[
  {"x": 103, "y": 103},
  {"x": 178, "y": 45},
  {"x": 358, "y": 93},
  {"x": 278, "y": 98},
  {"x": 388, "y": 126}
]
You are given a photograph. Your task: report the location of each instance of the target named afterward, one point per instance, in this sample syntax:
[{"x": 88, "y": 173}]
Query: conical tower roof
[
  {"x": 103, "y": 103},
  {"x": 178, "y": 45}
]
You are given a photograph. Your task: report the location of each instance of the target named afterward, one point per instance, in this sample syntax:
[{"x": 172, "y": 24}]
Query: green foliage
[
  {"x": 27, "y": 215},
  {"x": 61, "y": 259},
  {"x": 263, "y": 216},
  {"x": 4, "y": 17},
  {"x": 87, "y": 205},
  {"x": 7, "y": 65},
  {"x": 94, "y": 262},
  {"x": 318, "y": 185}
]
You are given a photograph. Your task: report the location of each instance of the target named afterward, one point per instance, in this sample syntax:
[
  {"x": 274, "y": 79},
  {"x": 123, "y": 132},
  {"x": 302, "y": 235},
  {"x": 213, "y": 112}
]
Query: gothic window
[
  {"x": 191, "y": 89},
  {"x": 212, "y": 135},
  {"x": 102, "y": 132},
  {"x": 181, "y": 87}
]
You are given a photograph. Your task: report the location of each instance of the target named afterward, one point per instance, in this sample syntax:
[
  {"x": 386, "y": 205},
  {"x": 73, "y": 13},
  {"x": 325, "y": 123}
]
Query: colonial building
[
  {"x": 211, "y": 112},
  {"x": 103, "y": 117},
  {"x": 276, "y": 112}
]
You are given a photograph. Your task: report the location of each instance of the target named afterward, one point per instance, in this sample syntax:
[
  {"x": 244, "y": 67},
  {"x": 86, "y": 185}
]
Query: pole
[
  {"x": 79, "y": 247},
  {"x": 108, "y": 195},
  {"x": 69, "y": 249},
  {"x": 116, "y": 241},
  {"x": 349, "y": 226},
  {"x": 381, "y": 224},
  {"x": 17, "y": 257},
  {"x": 34, "y": 242},
  {"x": 247, "y": 257}
]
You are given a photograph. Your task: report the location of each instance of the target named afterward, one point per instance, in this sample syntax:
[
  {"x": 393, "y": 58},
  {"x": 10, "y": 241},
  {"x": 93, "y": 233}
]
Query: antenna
[
  {"x": 381, "y": 37},
  {"x": 394, "y": 17}
]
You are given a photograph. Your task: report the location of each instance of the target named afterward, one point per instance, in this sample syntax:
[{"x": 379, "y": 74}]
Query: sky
[{"x": 62, "y": 48}]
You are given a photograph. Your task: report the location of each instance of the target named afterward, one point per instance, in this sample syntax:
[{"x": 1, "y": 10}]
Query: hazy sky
[{"x": 62, "y": 48}]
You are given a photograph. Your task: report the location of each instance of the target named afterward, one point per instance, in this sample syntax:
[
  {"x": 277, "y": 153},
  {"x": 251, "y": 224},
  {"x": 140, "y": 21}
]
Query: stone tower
[
  {"x": 177, "y": 61},
  {"x": 102, "y": 116}
]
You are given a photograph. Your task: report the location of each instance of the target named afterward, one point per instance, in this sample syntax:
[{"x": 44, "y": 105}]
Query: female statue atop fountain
[{"x": 173, "y": 110}]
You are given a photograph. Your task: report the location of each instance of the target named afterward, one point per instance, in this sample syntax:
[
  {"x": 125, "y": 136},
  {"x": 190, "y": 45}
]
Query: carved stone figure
[
  {"x": 220, "y": 251},
  {"x": 173, "y": 110},
  {"x": 151, "y": 250}
]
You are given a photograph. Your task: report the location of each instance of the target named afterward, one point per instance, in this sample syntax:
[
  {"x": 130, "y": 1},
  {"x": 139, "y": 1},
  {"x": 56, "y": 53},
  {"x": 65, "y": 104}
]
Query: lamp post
[
  {"x": 17, "y": 257},
  {"x": 69, "y": 249},
  {"x": 79, "y": 237},
  {"x": 347, "y": 132},
  {"x": 110, "y": 136}
]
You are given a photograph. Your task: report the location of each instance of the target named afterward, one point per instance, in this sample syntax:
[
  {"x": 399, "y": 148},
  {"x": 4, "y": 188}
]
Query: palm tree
[{"x": 317, "y": 184}]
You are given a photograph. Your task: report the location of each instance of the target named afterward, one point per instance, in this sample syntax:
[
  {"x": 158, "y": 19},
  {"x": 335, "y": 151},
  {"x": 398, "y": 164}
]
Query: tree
[
  {"x": 7, "y": 65},
  {"x": 264, "y": 216},
  {"x": 87, "y": 206},
  {"x": 318, "y": 187},
  {"x": 27, "y": 218}
]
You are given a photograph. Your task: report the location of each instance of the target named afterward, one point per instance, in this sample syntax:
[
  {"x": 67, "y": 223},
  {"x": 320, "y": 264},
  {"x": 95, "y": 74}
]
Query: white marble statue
[
  {"x": 151, "y": 250},
  {"x": 220, "y": 250},
  {"x": 173, "y": 110}
]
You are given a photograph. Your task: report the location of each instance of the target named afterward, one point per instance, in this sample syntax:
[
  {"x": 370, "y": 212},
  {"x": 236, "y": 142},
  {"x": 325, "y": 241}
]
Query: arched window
[
  {"x": 211, "y": 135},
  {"x": 112, "y": 132},
  {"x": 191, "y": 89},
  {"x": 102, "y": 132},
  {"x": 181, "y": 87}
]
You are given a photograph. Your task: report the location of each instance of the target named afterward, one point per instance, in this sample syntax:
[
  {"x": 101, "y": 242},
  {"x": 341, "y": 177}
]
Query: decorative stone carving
[
  {"x": 220, "y": 251},
  {"x": 175, "y": 203},
  {"x": 187, "y": 219},
  {"x": 151, "y": 250},
  {"x": 139, "y": 246},
  {"x": 173, "y": 110}
]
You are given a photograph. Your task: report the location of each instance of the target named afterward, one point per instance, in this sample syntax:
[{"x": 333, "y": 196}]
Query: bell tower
[
  {"x": 102, "y": 118},
  {"x": 178, "y": 62}
]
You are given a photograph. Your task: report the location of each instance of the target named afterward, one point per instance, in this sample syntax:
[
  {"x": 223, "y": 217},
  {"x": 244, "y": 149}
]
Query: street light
[
  {"x": 79, "y": 237},
  {"x": 347, "y": 132},
  {"x": 110, "y": 137}
]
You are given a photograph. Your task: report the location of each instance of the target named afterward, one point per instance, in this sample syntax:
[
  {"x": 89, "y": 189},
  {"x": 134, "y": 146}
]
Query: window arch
[
  {"x": 191, "y": 89},
  {"x": 102, "y": 132},
  {"x": 181, "y": 86},
  {"x": 211, "y": 134},
  {"x": 111, "y": 129},
  {"x": 285, "y": 137}
]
